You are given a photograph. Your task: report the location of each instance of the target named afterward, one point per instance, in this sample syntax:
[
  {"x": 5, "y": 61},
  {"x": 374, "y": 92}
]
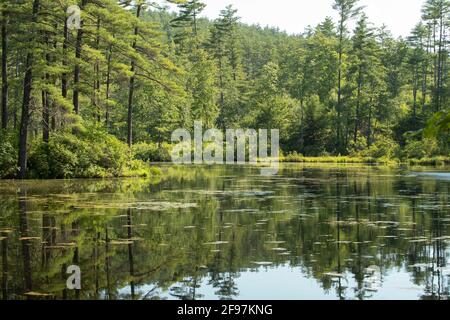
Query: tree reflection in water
[{"x": 353, "y": 232}]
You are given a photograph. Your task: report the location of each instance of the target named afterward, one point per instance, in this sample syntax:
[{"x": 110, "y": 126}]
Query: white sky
[{"x": 293, "y": 16}]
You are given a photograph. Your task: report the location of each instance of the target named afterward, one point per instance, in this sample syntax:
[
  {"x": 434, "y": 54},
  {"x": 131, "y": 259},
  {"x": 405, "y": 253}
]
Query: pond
[{"x": 226, "y": 232}]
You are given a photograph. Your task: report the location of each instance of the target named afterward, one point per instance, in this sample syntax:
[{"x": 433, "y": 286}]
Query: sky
[{"x": 293, "y": 16}]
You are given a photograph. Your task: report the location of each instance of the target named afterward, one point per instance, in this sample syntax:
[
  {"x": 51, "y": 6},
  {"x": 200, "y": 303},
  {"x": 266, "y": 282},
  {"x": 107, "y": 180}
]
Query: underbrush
[{"x": 88, "y": 154}]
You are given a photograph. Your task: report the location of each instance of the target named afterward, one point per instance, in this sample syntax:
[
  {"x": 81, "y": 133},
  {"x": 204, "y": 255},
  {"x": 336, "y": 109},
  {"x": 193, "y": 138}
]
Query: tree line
[{"x": 135, "y": 70}]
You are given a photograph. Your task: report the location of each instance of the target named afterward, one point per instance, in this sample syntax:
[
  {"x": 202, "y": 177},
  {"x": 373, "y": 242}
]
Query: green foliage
[
  {"x": 54, "y": 159},
  {"x": 314, "y": 128},
  {"x": 8, "y": 156},
  {"x": 425, "y": 148},
  {"x": 138, "y": 168},
  {"x": 152, "y": 152},
  {"x": 187, "y": 22},
  {"x": 299, "y": 158},
  {"x": 439, "y": 124},
  {"x": 383, "y": 149},
  {"x": 435, "y": 161},
  {"x": 201, "y": 83},
  {"x": 91, "y": 154}
]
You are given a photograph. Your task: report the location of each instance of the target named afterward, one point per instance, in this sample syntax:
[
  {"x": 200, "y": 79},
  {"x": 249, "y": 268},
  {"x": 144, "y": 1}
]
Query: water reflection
[{"x": 312, "y": 232}]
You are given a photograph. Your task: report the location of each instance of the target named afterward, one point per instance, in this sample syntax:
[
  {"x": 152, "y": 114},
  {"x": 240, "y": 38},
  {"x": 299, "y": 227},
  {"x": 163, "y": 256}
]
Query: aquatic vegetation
[
  {"x": 263, "y": 263},
  {"x": 141, "y": 205}
]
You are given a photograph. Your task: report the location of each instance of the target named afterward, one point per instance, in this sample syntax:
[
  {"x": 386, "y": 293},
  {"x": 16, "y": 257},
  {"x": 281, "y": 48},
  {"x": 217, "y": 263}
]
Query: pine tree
[
  {"x": 417, "y": 61},
  {"x": 186, "y": 23},
  {"x": 435, "y": 13},
  {"x": 146, "y": 54},
  {"x": 202, "y": 85},
  {"x": 224, "y": 46},
  {"x": 347, "y": 10},
  {"x": 362, "y": 54},
  {"x": 27, "y": 91}
]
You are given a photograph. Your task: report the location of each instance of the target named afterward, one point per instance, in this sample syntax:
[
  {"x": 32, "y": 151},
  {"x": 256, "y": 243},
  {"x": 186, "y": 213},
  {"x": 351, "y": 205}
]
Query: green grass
[
  {"x": 298, "y": 158},
  {"x": 434, "y": 161},
  {"x": 140, "y": 169}
]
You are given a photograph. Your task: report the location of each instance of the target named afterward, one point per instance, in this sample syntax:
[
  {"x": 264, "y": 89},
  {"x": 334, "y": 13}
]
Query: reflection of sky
[
  {"x": 433, "y": 175},
  {"x": 287, "y": 283}
]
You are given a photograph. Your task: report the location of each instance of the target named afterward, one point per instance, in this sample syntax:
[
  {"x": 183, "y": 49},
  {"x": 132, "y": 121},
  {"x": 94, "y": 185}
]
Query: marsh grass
[
  {"x": 297, "y": 158},
  {"x": 431, "y": 161}
]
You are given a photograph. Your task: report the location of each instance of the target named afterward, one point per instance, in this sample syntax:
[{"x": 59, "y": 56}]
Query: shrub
[
  {"x": 421, "y": 149},
  {"x": 89, "y": 154},
  {"x": 138, "y": 168},
  {"x": 8, "y": 156},
  {"x": 151, "y": 152},
  {"x": 53, "y": 160},
  {"x": 358, "y": 147},
  {"x": 383, "y": 148},
  {"x": 434, "y": 161}
]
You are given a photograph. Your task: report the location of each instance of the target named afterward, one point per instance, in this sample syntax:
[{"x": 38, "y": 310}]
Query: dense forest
[{"x": 102, "y": 99}]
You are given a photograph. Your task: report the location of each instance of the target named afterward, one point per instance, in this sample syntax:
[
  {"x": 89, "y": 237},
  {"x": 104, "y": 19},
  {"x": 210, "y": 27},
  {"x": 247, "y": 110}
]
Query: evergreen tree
[
  {"x": 27, "y": 90},
  {"x": 224, "y": 45},
  {"x": 347, "y": 10},
  {"x": 187, "y": 21}
]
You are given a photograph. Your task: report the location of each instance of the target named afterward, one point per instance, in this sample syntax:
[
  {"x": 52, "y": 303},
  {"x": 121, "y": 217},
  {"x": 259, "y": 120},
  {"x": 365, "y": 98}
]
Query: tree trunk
[
  {"x": 130, "y": 109},
  {"x": 25, "y": 116},
  {"x": 4, "y": 73},
  {"x": 76, "y": 76},
  {"x": 96, "y": 102},
  {"x": 16, "y": 93},
  {"x": 339, "y": 101},
  {"x": 55, "y": 83},
  {"x": 424, "y": 85},
  {"x": 64, "y": 75},
  {"x": 45, "y": 103},
  {"x": 130, "y": 254},
  {"x": 425, "y": 73},
  {"x": 45, "y": 117},
  {"x": 222, "y": 95},
  {"x": 108, "y": 84},
  {"x": 24, "y": 233},
  {"x": 369, "y": 128},
  {"x": 358, "y": 105},
  {"x": 435, "y": 71},
  {"x": 27, "y": 88},
  {"x": 415, "y": 90},
  {"x": 5, "y": 269},
  {"x": 131, "y": 88},
  {"x": 440, "y": 60}
]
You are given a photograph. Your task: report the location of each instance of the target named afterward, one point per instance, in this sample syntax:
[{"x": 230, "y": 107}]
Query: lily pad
[
  {"x": 263, "y": 263},
  {"x": 334, "y": 275},
  {"x": 215, "y": 243}
]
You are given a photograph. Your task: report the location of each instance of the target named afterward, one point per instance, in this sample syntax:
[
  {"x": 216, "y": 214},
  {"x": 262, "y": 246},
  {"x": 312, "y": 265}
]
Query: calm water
[{"x": 311, "y": 232}]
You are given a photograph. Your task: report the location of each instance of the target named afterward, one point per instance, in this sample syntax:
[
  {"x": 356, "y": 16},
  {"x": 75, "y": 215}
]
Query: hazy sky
[{"x": 294, "y": 15}]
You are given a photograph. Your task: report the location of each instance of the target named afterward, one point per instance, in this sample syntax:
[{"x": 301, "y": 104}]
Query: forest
[{"x": 102, "y": 100}]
